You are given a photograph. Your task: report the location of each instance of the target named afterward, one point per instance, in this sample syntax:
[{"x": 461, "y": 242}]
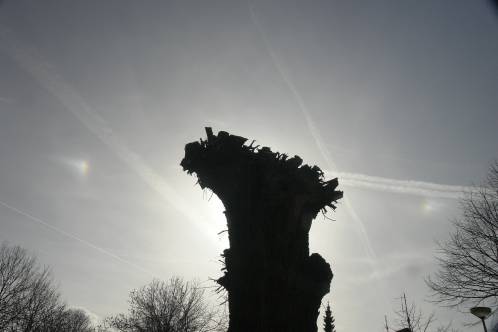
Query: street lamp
[{"x": 482, "y": 313}]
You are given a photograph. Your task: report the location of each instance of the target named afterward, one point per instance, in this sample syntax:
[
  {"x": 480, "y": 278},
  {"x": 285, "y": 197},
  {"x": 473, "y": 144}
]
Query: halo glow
[{"x": 83, "y": 167}]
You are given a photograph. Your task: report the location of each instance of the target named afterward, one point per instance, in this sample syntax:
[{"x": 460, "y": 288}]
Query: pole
[{"x": 484, "y": 324}]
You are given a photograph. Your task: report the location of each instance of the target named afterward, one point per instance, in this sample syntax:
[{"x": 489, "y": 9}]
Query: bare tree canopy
[
  {"x": 468, "y": 261},
  {"x": 27, "y": 297},
  {"x": 408, "y": 317},
  {"x": 29, "y": 301},
  {"x": 76, "y": 320},
  {"x": 172, "y": 306}
]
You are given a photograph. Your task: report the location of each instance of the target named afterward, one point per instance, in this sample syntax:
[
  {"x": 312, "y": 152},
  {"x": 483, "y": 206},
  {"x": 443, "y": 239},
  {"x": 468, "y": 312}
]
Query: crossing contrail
[
  {"x": 354, "y": 179},
  {"x": 92, "y": 120},
  {"x": 315, "y": 133},
  {"x": 74, "y": 237},
  {"x": 425, "y": 189}
]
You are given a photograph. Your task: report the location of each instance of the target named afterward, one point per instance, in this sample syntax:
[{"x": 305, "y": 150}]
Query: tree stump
[{"x": 270, "y": 200}]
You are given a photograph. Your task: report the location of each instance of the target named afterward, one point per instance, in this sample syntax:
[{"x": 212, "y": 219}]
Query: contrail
[
  {"x": 364, "y": 238},
  {"x": 99, "y": 127},
  {"x": 90, "y": 118},
  {"x": 311, "y": 126},
  {"x": 74, "y": 237},
  {"x": 352, "y": 179},
  {"x": 420, "y": 188}
]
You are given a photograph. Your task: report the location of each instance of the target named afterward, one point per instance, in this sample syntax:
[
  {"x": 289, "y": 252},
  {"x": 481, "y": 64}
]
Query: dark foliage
[{"x": 328, "y": 320}]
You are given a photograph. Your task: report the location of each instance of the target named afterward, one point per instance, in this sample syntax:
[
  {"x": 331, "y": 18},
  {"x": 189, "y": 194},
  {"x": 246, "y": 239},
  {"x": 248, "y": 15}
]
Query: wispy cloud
[{"x": 385, "y": 271}]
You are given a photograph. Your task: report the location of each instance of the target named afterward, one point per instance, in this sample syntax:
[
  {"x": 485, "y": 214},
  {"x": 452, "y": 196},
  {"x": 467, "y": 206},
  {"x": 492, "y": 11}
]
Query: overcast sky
[{"x": 98, "y": 98}]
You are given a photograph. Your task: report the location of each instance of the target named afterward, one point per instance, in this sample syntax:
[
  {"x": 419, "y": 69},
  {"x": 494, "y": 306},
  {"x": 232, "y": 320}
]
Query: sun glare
[
  {"x": 430, "y": 205},
  {"x": 216, "y": 210},
  {"x": 83, "y": 167},
  {"x": 79, "y": 167}
]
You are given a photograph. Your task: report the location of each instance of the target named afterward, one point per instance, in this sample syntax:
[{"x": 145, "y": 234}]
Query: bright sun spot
[
  {"x": 79, "y": 166},
  {"x": 216, "y": 209},
  {"x": 83, "y": 167},
  {"x": 427, "y": 207},
  {"x": 430, "y": 205}
]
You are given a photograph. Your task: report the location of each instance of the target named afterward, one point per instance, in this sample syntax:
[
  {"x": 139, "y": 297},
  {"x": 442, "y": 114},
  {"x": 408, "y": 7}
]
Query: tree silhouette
[
  {"x": 29, "y": 300},
  {"x": 273, "y": 282},
  {"x": 168, "y": 306},
  {"x": 410, "y": 318},
  {"x": 468, "y": 261},
  {"x": 328, "y": 320}
]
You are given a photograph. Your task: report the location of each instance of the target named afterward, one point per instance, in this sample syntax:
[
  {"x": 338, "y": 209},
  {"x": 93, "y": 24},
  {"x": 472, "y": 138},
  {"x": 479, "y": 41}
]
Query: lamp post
[{"x": 482, "y": 313}]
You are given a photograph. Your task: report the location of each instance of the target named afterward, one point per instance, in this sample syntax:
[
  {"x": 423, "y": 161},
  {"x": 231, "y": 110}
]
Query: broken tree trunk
[{"x": 273, "y": 283}]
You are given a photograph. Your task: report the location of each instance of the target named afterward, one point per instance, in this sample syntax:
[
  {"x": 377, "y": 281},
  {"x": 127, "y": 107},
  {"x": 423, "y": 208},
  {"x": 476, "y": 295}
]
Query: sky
[{"x": 98, "y": 99}]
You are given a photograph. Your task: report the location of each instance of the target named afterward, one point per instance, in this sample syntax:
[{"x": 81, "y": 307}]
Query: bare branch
[
  {"x": 468, "y": 261},
  {"x": 169, "y": 306}
]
